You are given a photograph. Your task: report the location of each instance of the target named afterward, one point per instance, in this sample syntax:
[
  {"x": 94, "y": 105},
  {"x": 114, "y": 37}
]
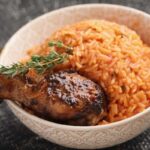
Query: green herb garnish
[
  {"x": 39, "y": 63},
  {"x": 60, "y": 44}
]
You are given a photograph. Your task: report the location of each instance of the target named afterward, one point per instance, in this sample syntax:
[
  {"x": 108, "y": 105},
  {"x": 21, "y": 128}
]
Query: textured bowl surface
[{"x": 35, "y": 32}]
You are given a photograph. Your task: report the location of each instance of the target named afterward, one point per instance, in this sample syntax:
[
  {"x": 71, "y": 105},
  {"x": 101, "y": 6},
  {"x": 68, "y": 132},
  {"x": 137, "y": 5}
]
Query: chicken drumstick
[{"x": 65, "y": 96}]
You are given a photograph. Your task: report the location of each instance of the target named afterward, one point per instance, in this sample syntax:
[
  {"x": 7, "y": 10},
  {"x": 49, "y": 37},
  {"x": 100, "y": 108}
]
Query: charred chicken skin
[{"x": 64, "y": 96}]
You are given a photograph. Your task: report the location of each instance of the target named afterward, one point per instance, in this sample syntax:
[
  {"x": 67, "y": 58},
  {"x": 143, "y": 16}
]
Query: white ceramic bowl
[{"x": 75, "y": 136}]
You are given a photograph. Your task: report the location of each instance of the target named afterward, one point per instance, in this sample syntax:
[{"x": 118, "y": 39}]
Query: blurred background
[{"x": 14, "y": 14}]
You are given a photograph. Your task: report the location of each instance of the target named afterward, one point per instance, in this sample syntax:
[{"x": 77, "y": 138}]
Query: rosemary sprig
[{"x": 39, "y": 63}]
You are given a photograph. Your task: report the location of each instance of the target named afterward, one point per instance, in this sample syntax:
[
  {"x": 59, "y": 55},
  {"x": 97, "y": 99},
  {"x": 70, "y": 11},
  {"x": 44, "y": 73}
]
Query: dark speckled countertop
[{"x": 14, "y": 14}]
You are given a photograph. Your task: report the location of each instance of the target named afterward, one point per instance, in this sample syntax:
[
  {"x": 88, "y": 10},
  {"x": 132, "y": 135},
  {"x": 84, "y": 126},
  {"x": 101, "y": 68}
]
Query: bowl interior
[{"x": 39, "y": 29}]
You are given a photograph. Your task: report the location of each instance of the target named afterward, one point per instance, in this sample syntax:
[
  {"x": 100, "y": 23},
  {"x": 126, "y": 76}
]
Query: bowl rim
[{"x": 68, "y": 127}]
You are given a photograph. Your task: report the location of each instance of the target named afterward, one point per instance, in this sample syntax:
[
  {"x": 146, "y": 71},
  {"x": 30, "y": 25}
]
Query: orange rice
[{"x": 112, "y": 55}]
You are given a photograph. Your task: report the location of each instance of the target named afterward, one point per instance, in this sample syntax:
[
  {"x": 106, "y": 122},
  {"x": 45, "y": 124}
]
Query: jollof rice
[{"x": 112, "y": 55}]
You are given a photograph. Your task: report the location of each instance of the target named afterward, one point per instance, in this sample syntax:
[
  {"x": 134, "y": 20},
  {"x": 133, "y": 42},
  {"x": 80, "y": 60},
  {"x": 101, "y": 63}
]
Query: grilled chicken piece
[{"x": 65, "y": 97}]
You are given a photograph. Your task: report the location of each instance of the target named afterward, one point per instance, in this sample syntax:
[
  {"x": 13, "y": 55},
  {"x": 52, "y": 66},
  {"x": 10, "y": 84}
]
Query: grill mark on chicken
[
  {"x": 34, "y": 102},
  {"x": 65, "y": 97}
]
